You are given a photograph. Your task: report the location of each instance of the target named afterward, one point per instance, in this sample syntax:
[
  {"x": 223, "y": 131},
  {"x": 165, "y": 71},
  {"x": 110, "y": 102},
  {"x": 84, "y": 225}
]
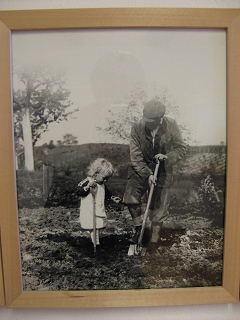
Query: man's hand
[
  {"x": 151, "y": 180},
  {"x": 160, "y": 156}
]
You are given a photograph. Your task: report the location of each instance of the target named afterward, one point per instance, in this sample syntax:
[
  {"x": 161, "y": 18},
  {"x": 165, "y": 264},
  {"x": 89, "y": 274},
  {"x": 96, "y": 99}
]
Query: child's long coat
[{"x": 86, "y": 207}]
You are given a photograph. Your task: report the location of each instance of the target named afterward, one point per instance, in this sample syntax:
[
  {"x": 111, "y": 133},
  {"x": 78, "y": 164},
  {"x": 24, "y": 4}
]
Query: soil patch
[{"x": 58, "y": 255}]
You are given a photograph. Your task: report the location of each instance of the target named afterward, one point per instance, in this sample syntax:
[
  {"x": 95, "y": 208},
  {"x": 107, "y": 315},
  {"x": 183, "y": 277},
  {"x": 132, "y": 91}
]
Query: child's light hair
[{"x": 100, "y": 165}]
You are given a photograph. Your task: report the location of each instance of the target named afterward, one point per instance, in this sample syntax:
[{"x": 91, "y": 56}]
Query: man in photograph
[{"x": 153, "y": 138}]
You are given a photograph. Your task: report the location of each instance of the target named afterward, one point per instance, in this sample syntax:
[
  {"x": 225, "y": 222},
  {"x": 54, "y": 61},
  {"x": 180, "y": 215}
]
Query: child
[{"x": 94, "y": 188}]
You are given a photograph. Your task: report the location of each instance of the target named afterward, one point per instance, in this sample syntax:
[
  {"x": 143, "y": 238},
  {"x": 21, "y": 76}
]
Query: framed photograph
[{"x": 72, "y": 83}]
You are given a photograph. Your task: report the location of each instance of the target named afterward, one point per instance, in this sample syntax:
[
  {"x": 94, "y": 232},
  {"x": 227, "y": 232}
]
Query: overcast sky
[{"x": 104, "y": 66}]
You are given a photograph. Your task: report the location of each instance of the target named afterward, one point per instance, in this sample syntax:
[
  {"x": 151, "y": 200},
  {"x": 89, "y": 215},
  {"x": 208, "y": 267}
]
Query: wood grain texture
[
  {"x": 232, "y": 225},
  {"x": 122, "y": 298},
  {"x": 8, "y": 210},
  {"x": 120, "y": 18},
  {"x": 2, "y": 294}
]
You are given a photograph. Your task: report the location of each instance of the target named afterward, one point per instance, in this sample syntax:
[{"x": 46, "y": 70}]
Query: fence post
[{"x": 47, "y": 179}]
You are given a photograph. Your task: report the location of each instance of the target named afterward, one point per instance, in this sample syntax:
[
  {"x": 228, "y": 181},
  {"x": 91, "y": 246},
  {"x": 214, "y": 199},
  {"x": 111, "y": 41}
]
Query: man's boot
[
  {"x": 146, "y": 236},
  {"x": 155, "y": 234},
  {"x": 153, "y": 245},
  {"x": 134, "y": 238}
]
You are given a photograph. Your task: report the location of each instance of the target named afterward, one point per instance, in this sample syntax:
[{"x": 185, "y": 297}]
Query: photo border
[{"x": 56, "y": 19}]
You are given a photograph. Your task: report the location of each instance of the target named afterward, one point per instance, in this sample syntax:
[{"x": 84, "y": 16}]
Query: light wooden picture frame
[
  {"x": 227, "y": 19},
  {"x": 2, "y": 294}
]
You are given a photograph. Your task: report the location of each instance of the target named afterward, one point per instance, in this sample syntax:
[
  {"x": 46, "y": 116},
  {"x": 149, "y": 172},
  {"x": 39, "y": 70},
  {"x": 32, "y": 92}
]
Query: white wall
[{"x": 205, "y": 312}]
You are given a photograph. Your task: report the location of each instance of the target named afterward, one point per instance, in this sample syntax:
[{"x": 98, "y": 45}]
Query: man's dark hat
[{"x": 153, "y": 110}]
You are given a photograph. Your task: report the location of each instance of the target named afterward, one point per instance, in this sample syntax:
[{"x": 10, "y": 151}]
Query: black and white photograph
[{"x": 120, "y": 157}]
